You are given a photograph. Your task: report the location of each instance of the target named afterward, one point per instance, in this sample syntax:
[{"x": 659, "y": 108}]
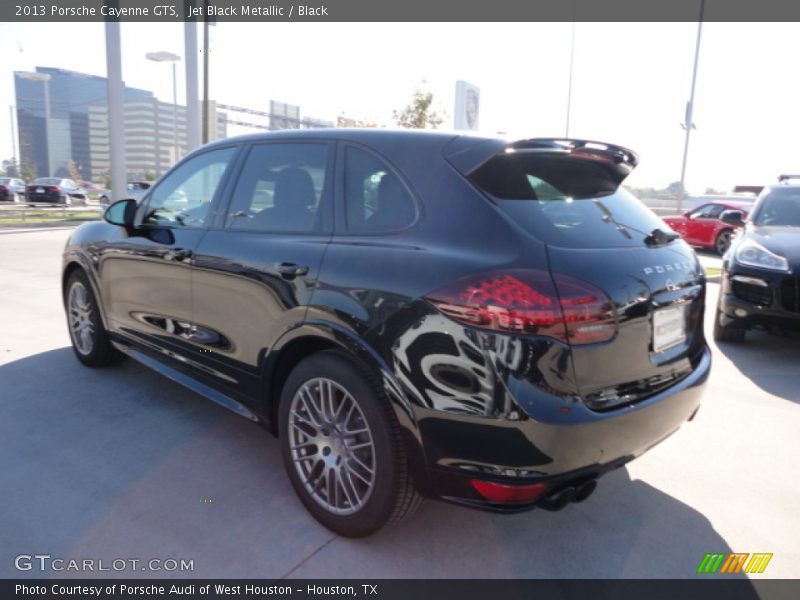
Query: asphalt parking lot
[{"x": 122, "y": 463}]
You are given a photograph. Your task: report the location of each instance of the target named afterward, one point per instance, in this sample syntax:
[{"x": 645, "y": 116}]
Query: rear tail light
[
  {"x": 529, "y": 301},
  {"x": 53, "y": 188},
  {"x": 509, "y": 494},
  {"x": 3, "y": 188}
]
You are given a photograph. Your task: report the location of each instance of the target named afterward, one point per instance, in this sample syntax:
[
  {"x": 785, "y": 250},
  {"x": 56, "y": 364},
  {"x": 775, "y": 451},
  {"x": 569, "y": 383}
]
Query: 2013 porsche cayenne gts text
[{"x": 414, "y": 314}]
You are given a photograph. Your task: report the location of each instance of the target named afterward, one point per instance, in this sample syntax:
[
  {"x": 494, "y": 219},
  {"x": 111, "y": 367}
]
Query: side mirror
[
  {"x": 732, "y": 217},
  {"x": 121, "y": 213}
]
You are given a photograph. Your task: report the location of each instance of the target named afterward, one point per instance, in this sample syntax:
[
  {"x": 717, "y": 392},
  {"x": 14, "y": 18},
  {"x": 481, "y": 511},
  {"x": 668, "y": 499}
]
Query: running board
[{"x": 189, "y": 382}]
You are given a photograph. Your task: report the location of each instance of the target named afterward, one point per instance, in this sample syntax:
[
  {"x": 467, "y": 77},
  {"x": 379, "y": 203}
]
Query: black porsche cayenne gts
[
  {"x": 414, "y": 314},
  {"x": 760, "y": 286}
]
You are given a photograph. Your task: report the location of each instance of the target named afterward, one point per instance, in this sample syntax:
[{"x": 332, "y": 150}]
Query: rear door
[
  {"x": 255, "y": 271},
  {"x": 570, "y": 198}
]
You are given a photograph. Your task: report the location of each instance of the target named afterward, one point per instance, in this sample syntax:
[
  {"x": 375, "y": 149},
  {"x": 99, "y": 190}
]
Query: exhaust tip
[
  {"x": 585, "y": 490},
  {"x": 558, "y": 500}
]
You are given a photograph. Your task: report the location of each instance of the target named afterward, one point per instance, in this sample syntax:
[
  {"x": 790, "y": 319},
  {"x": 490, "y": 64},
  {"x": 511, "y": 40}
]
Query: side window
[
  {"x": 183, "y": 198},
  {"x": 375, "y": 198},
  {"x": 709, "y": 211},
  {"x": 280, "y": 189}
]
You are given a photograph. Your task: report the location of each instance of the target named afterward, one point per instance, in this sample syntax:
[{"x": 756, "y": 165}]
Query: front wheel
[
  {"x": 90, "y": 341},
  {"x": 341, "y": 447},
  {"x": 731, "y": 332}
]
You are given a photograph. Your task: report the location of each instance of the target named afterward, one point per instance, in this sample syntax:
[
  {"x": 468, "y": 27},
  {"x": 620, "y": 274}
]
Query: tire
[
  {"x": 103, "y": 199},
  {"x": 723, "y": 241},
  {"x": 90, "y": 341},
  {"x": 732, "y": 332},
  {"x": 346, "y": 461}
]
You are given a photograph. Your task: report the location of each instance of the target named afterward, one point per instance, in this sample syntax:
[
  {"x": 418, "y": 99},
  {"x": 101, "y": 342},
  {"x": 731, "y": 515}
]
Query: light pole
[
  {"x": 569, "y": 89},
  {"x": 45, "y": 79},
  {"x": 173, "y": 58},
  {"x": 13, "y": 138},
  {"x": 688, "y": 125}
]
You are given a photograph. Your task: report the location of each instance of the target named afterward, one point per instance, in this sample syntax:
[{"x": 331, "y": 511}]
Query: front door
[{"x": 146, "y": 273}]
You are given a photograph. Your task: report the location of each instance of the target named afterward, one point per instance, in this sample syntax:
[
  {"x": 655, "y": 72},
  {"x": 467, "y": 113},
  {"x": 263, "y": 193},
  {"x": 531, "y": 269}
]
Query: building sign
[{"x": 467, "y": 109}]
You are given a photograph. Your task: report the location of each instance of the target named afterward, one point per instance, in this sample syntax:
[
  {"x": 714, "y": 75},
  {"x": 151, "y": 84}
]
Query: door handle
[
  {"x": 178, "y": 254},
  {"x": 291, "y": 270}
]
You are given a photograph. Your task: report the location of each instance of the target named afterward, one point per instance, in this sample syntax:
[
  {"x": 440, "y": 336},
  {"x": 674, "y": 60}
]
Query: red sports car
[{"x": 701, "y": 227}]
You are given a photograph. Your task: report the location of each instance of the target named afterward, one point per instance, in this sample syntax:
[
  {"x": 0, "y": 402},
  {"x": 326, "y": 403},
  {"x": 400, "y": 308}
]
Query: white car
[{"x": 134, "y": 189}]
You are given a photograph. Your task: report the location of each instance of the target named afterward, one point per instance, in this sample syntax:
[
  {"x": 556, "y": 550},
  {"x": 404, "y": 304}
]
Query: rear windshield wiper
[{"x": 659, "y": 237}]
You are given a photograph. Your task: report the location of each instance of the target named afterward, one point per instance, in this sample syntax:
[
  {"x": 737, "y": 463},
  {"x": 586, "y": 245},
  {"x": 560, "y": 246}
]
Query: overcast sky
[{"x": 630, "y": 81}]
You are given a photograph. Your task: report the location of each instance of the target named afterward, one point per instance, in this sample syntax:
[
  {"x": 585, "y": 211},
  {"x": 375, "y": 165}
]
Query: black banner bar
[
  {"x": 401, "y": 11},
  {"x": 712, "y": 588}
]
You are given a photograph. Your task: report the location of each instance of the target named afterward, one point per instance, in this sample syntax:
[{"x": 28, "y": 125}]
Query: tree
[
  {"x": 674, "y": 188},
  {"x": 713, "y": 192},
  {"x": 27, "y": 172},
  {"x": 149, "y": 175},
  {"x": 419, "y": 113},
  {"x": 10, "y": 168},
  {"x": 74, "y": 172},
  {"x": 342, "y": 121},
  {"x": 105, "y": 177}
]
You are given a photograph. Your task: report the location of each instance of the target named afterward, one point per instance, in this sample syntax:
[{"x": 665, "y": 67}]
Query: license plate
[
  {"x": 669, "y": 327},
  {"x": 40, "y": 190}
]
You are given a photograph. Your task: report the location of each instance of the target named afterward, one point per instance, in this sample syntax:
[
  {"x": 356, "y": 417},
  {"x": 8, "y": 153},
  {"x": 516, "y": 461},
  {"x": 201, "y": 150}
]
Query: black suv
[
  {"x": 492, "y": 323},
  {"x": 761, "y": 271}
]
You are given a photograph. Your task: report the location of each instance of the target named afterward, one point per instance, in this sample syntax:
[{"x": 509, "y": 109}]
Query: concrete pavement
[{"x": 122, "y": 463}]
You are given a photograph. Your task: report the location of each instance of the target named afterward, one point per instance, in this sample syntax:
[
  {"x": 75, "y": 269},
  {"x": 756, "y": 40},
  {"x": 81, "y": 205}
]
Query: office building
[{"x": 151, "y": 144}]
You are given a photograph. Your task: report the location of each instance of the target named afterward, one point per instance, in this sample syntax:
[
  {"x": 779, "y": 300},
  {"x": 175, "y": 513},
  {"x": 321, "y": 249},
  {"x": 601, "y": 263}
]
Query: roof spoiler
[
  {"x": 468, "y": 154},
  {"x": 591, "y": 168}
]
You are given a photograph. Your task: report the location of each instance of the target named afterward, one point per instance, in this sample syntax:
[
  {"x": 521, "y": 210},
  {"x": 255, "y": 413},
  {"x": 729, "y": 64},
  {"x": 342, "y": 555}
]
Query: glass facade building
[{"x": 53, "y": 119}]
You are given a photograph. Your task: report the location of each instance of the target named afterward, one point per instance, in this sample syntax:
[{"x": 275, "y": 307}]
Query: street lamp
[
  {"x": 688, "y": 124},
  {"x": 45, "y": 79},
  {"x": 173, "y": 58}
]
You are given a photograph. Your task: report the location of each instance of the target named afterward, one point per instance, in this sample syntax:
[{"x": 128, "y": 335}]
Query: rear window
[{"x": 566, "y": 201}]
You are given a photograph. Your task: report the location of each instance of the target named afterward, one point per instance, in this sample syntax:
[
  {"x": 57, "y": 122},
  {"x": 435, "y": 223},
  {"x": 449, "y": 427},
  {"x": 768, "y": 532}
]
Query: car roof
[
  {"x": 734, "y": 204},
  {"x": 783, "y": 186},
  {"x": 351, "y": 134}
]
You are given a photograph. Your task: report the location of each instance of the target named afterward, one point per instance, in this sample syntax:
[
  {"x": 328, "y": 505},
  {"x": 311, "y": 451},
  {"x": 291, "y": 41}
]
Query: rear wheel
[
  {"x": 90, "y": 341},
  {"x": 723, "y": 241},
  {"x": 342, "y": 449}
]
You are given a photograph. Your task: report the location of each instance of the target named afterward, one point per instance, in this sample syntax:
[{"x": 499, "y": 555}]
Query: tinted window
[
  {"x": 709, "y": 211},
  {"x": 375, "y": 198},
  {"x": 780, "y": 208},
  {"x": 565, "y": 202},
  {"x": 280, "y": 189},
  {"x": 183, "y": 198}
]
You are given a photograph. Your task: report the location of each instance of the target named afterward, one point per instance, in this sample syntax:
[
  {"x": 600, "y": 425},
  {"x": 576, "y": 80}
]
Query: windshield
[
  {"x": 779, "y": 208},
  {"x": 48, "y": 181}
]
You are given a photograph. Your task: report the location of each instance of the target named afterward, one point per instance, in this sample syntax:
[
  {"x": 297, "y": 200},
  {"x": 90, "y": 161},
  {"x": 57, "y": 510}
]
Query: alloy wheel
[
  {"x": 81, "y": 327},
  {"x": 723, "y": 242},
  {"x": 331, "y": 446}
]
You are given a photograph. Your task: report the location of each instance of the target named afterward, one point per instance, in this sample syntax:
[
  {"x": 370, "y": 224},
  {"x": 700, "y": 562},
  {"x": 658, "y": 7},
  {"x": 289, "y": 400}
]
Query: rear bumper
[
  {"x": 583, "y": 446},
  {"x": 46, "y": 198}
]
